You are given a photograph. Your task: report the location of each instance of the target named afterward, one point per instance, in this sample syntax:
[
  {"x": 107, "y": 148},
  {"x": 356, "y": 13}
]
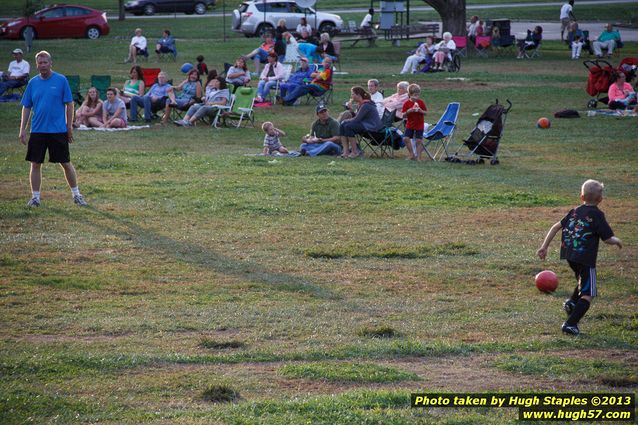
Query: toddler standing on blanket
[{"x": 271, "y": 139}]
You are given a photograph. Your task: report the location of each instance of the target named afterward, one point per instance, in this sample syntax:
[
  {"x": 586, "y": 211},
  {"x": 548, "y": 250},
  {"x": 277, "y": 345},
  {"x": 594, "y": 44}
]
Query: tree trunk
[
  {"x": 120, "y": 10},
  {"x": 452, "y": 14}
]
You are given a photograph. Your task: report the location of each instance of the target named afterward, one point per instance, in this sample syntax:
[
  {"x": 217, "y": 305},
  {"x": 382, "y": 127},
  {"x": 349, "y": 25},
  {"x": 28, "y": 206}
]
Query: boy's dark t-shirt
[{"x": 582, "y": 228}]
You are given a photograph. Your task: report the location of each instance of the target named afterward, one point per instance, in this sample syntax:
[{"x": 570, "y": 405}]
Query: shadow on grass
[{"x": 196, "y": 255}]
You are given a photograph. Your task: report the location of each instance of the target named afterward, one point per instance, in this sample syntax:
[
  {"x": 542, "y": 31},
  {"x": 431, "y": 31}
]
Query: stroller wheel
[
  {"x": 494, "y": 162},
  {"x": 471, "y": 162},
  {"x": 592, "y": 104},
  {"x": 481, "y": 161}
]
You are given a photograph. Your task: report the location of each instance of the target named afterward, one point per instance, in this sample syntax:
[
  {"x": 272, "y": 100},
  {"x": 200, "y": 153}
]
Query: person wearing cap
[
  {"x": 137, "y": 47},
  {"x": 18, "y": 74},
  {"x": 298, "y": 78},
  {"x": 324, "y": 135}
]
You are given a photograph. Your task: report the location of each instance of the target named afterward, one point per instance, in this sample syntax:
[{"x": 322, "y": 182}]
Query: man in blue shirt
[
  {"x": 155, "y": 99},
  {"x": 298, "y": 78},
  {"x": 49, "y": 96}
]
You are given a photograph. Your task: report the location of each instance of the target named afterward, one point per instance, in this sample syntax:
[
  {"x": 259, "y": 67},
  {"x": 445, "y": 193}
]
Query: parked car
[
  {"x": 63, "y": 21},
  {"x": 150, "y": 7},
  {"x": 254, "y": 18}
]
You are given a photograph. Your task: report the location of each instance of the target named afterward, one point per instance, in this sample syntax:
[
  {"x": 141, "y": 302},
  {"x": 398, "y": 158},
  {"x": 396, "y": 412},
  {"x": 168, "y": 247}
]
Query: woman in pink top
[{"x": 620, "y": 93}]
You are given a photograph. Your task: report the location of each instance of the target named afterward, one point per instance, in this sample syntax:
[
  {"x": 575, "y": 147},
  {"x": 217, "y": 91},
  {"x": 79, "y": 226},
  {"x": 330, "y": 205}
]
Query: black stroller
[{"x": 485, "y": 137}]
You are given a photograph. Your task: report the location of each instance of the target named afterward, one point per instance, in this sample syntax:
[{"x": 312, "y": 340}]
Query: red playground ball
[
  {"x": 546, "y": 281},
  {"x": 543, "y": 123}
]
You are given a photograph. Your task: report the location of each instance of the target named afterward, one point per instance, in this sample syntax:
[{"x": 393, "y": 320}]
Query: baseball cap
[
  {"x": 18, "y": 51},
  {"x": 303, "y": 59},
  {"x": 321, "y": 107}
]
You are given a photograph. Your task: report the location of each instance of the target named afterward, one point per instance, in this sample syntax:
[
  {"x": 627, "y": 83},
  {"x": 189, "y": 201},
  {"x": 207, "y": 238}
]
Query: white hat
[{"x": 18, "y": 51}]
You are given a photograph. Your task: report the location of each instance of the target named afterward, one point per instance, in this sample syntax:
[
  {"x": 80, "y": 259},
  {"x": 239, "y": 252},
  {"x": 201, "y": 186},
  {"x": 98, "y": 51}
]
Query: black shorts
[
  {"x": 56, "y": 143},
  {"x": 163, "y": 49},
  {"x": 586, "y": 277}
]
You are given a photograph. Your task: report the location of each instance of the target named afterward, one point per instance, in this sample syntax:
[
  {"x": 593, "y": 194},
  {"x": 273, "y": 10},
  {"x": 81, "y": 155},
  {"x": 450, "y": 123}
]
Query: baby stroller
[
  {"x": 600, "y": 77},
  {"x": 485, "y": 137}
]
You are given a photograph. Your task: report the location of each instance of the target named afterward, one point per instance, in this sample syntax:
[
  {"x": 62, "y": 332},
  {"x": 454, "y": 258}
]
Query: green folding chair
[
  {"x": 242, "y": 109},
  {"x": 101, "y": 83},
  {"x": 74, "y": 83}
]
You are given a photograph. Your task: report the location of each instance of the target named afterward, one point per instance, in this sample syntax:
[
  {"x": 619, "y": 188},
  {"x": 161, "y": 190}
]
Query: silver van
[{"x": 254, "y": 18}]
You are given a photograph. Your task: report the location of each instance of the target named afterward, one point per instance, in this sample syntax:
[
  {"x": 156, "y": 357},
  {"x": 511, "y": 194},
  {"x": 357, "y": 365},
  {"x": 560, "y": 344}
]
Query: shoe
[
  {"x": 569, "y": 329},
  {"x": 303, "y": 152},
  {"x": 79, "y": 200},
  {"x": 33, "y": 202},
  {"x": 569, "y": 306},
  {"x": 186, "y": 123},
  {"x": 178, "y": 123}
]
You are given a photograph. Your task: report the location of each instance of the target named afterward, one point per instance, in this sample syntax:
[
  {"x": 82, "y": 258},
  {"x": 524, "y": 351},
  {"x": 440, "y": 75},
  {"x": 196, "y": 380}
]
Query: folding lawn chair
[
  {"x": 533, "y": 53},
  {"x": 325, "y": 97},
  {"x": 219, "y": 110},
  {"x": 74, "y": 83},
  {"x": 149, "y": 75},
  {"x": 482, "y": 45},
  {"x": 438, "y": 138},
  {"x": 240, "y": 111},
  {"x": 383, "y": 142},
  {"x": 461, "y": 44},
  {"x": 101, "y": 83},
  {"x": 287, "y": 71}
]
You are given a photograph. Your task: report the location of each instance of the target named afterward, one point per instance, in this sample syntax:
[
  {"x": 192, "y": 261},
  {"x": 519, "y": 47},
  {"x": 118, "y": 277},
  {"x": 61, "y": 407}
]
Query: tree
[
  {"x": 121, "y": 10},
  {"x": 452, "y": 14}
]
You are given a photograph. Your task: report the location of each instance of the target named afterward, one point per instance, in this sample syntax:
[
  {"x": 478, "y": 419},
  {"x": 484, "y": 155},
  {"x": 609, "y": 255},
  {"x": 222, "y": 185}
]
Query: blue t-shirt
[{"x": 47, "y": 99}]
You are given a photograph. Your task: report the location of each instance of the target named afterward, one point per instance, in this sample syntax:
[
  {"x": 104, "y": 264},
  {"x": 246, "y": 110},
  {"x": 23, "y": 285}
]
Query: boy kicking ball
[{"x": 581, "y": 228}]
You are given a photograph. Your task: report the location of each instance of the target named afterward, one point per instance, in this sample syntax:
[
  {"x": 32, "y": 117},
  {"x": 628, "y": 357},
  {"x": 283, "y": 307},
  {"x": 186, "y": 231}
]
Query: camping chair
[
  {"x": 506, "y": 45},
  {"x": 461, "y": 44},
  {"x": 101, "y": 83},
  {"x": 171, "y": 55},
  {"x": 220, "y": 110},
  {"x": 441, "y": 134},
  {"x": 482, "y": 45},
  {"x": 286, "y": 77},
  {"x": 149, "y": 75},
  {"x": 533, "y": 53},
  {"x": 240, "y": 111},
  {"x": 74, "y": 83},
  {"x": 337, "y": 60},
  {"x": 383, "y": 142}
]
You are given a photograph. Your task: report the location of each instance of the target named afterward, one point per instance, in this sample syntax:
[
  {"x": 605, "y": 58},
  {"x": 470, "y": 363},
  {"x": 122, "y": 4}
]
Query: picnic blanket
[
  {"x": 619, "y": 113},
  {"x": 130, "y": 127}
]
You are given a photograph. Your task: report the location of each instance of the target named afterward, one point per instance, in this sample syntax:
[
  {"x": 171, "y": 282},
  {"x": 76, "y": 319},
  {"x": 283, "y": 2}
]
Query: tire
[
  {"x": 328, "y": 27},
  {"x": 22, "y": 37},
  {"x": 200, "y": 8},
  {"x": 93, "y": 33},
  {"x": 494, "y": 162},
  {"x": 263, "y": 28},
  {"x": 149, "y": 9}
]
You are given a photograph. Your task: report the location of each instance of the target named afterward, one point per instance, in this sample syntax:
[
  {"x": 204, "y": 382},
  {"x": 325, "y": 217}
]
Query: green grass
[{"x": 319, "y": 289}]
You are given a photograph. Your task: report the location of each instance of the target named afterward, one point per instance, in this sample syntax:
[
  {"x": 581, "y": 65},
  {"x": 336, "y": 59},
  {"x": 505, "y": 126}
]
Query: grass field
[{"x": 205, "y": 286}]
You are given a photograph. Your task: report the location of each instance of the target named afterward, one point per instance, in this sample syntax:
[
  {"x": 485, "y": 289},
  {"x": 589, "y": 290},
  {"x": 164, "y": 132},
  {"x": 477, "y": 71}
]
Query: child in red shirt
[{"x": 414, "y": 110}]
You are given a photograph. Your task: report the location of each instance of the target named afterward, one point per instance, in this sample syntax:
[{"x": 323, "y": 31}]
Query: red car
[{"x": 59, "y": 21}]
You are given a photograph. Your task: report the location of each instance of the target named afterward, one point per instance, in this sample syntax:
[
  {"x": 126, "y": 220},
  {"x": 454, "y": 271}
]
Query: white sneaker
[
  {"x": 79, "y": 200},
  {"x": 33, "y": 202}
]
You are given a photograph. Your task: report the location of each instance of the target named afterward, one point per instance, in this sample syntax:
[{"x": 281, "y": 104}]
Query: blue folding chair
[{"x": 437, "y": 139}]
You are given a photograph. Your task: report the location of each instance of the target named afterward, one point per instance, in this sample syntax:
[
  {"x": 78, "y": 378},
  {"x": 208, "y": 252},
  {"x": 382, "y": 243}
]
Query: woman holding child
[
  {"x": 366, "y": 119},
  {"x": 90, "y": 113}
]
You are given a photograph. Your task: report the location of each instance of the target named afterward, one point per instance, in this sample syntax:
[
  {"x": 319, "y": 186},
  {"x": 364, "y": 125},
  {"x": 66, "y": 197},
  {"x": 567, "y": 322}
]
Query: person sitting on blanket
[
  {"x": 166, "y": 44},
  {"x": 297, "y": 78},
  {"x": 113, "y": 111},
  {"x": 89, "y": 113},
  {"x": 324, "y": 136},
  {"x": 443, "y": 51},
  {"x": 620, "y": 92},
  {"x": 422, "y": 54},
  {"x": 396, "y": 101},
  {"x": 366, "y": 119},
  {"x": 191, "y": 89},
  {"x": 325, "y": 47},
  {"x": 18, "y": 73},
  {"x": 272, "y": 143},
  {"x": 260, "y": 54},
  {"x": 134, "y": 86},
  {"x": 216, "y": 95},
  {"x": 155, "y": 98},
  {"x": 321, "y": 82},
  {"x": 273, "y": 73},
  {"x": 531, "y": 42}
]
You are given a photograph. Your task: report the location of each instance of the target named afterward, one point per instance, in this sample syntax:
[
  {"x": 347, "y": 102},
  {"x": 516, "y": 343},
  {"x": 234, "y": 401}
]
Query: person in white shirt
[
  {"x": 18, "y": 74},
  {"x": 444, "y": 51},
  {"x": 566, "y": 17},
  {"x": 292, "y": 49},
  {"x": 376, "y": 96},
  {"x": 304, "y": 26},
  {"x": 137, "y": 47},
  {"x": 367, "y": 20}
]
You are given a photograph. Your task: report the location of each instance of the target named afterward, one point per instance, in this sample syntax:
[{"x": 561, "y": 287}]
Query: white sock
[
  {"x": 35, "y": 195},
  {"x": 75, "y": 191}
]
